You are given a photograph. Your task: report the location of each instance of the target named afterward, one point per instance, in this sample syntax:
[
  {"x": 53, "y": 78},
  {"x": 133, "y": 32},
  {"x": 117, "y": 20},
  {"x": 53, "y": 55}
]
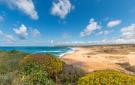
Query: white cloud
[
  {"x": 113, "y": 23},
  {"x": 21, "y": 32},
  {"x": 6, "y": 37},
  {"x": 127, "y": 36},
  {"x": 35, "y": 33},
  {"x": 117, "y": 41},
  {"x": 26, "y": 6},
  {"x": 92, "y": 26},
  {"x": 128, "y": 32},
  {"x": 105, "y": 32},
  {"x": 9, "y": 37},
  {"x": 61, "y": 8}
]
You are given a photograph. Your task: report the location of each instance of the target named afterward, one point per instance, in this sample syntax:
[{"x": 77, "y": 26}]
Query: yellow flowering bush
[
  {"x": 107, "y": 77},
  {"x": 50, "y": 64}
]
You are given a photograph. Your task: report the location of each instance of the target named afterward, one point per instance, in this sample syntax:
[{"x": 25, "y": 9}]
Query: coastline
[
  {"x": 68, "y": 52},
  {"x": 90, "y": 60}
]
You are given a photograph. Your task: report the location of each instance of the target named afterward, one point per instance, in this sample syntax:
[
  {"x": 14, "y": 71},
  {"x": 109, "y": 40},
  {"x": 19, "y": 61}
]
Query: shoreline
[
  {"x": 89, "y": 59},
  {"x": 68, "y": 52}
]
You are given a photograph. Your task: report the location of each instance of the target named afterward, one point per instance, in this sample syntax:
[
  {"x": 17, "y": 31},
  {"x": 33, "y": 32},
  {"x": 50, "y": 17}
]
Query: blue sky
[{"x": 60, "y": 22}]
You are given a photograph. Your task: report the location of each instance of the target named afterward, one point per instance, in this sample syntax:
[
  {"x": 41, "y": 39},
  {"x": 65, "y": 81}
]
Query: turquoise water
[{"x": 57, "y": 51}]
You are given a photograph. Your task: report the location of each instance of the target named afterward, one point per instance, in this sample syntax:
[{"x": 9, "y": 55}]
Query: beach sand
[{"x": 100, "y": 57}]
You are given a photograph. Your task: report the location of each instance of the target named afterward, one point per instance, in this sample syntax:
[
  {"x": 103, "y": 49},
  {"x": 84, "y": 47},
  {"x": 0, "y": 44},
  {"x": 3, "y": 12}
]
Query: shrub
[
  {"x": 14, "y": 52},
  {"x": 50, "y": 64},
  {"x": 128, "y": 67},
  {"x": 33, "y": 75},
  {"x": 6, "y": 79},
  {"x": 9, "y": 66},
  {"x": 70, "y": 75},
  {"x": 107, "y": 77},
  {"x": 131, "y": 68},
  {"x": 54, "y": 68}
]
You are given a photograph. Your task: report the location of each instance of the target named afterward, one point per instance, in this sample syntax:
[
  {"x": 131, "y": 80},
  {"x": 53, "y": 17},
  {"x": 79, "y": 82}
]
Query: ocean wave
[
  {"x": 49, "y": 52},
  {"x": 68, "y": 52},
  {"x": 59, "y": 53}
]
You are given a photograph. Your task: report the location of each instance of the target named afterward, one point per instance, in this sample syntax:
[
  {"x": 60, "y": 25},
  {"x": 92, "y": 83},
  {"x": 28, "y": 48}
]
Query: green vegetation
[
  {"x": 9, "y": 64},
  {"x": 32, "y": 74},
  {"x": 46, "y": 62},
  {"x": 54, "y": 68},
  {"x": 107, "y": 77},
  {"x": 18, "y": 68}
]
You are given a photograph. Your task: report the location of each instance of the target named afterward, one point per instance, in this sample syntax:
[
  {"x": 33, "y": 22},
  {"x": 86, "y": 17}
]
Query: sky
[{"x": 66, "y": 22}]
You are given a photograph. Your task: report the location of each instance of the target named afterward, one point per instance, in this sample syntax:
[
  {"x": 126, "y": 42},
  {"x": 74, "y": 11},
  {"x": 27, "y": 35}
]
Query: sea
[{"x": 57, "y": 51}]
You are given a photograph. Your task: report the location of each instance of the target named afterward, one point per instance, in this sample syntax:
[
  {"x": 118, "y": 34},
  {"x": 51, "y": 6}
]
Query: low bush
[
  {"x": 53, "y": 66},
  {"x": 32, "y": 74},
  {"x": 70, "y": 75},
  {"x": 131, "y": 68},
  {"x": 128, "y": 67},
  {"x": 55, "y": 69},
  {"x": 107, "y": 77},
  {"x": 9, "y": 64}
]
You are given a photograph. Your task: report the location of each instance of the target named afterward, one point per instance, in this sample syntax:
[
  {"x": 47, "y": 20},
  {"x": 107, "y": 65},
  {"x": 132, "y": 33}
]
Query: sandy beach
[{"x": 101, "y": 57}]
